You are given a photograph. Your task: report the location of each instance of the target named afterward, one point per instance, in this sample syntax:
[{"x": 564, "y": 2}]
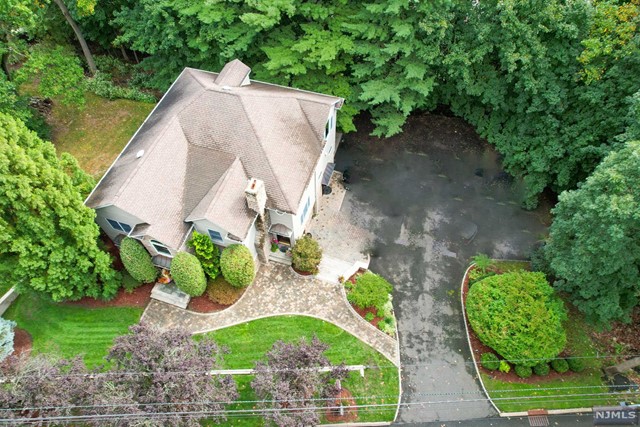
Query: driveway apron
[{"x": 433, "y": 197}]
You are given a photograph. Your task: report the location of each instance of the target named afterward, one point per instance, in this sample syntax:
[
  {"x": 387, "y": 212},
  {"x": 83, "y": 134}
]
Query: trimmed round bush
[
  {"x": 575, "y": 364},
  {"x": 137, "y": 261},
  {"x": 490, "y": 361},
  {"x": 541, "y": 369},
  {"x": 560, "y": 365},
  {"x": 306, "y": 255},
  {"x": 518, "y": 315},
  {"x": 236, "y": 264},
  {"x": 523, "y": 371},
  {"x": 221, "y": 292},
  {"x": 188, "y": 274},
  {"x": 370, "y": 290}
]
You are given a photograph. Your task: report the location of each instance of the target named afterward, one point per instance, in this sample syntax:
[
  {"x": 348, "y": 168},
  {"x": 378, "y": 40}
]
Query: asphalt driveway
[{"x": 434, "y": 197}]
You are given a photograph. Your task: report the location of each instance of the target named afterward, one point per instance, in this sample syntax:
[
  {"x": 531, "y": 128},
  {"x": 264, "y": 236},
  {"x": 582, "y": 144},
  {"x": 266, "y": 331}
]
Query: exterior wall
[
  {"x": 202, "y": 226},
  {"x": 115, "y": 214}
]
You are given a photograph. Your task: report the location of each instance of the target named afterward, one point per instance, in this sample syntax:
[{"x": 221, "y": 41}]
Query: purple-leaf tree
[
  {"x": 292, "y": 388},
  {"x": 166, "y": 374}
]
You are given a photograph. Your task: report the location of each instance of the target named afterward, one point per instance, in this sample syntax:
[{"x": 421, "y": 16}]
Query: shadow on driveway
[{"x": 433, "y": 197}]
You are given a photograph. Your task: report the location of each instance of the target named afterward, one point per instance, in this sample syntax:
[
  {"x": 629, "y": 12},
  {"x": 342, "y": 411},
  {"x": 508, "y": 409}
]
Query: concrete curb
[
  {"x": 7, "y": 299},
  {"x": 466, "y": 329}
]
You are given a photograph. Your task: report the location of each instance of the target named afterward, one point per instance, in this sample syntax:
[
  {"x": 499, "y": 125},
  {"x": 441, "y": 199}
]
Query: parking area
[{"x": 432, "y": 198}]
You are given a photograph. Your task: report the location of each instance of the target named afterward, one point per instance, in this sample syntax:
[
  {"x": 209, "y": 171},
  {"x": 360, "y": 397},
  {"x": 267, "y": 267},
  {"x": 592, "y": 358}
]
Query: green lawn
[
  {"x": 4, "y": 288},
  {"x": 250, "y": 341},
  {"x": 96, "y": 134},
  {"x": 68, "y": 330},
  {"x": 576, "y": 390}
]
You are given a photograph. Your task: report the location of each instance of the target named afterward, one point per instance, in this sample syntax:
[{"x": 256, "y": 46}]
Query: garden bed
[
  {"x": 203, "y": 304},
  {"x": 370, "y": 313},
  {"x": 510, "y": 393},
  {"x": 138, "y": 298}
]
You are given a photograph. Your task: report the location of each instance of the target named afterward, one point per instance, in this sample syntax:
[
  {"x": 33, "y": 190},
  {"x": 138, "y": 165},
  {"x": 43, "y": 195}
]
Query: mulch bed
[
  {"x": 477, "y": 348},
  {"x": 363, "y": 311},
  {"x": 624, "y": 334},
  {"x": 203, "y": 304},
  {"x": 114, "y": 251},
  {"x": 22, "y": 342},
  {"x": 350, "y": 414},
  {"x": 138, "y": 298}
]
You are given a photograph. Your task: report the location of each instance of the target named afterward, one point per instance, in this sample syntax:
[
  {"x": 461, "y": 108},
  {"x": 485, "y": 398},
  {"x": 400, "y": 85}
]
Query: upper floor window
[
  {"x": 305, "y": 210},
  {"x": 120, "y": 226},
  {"x": 328, "y": 127},
  {"x": 215, "y": 235},
  {"x": 161, "y": 248}
]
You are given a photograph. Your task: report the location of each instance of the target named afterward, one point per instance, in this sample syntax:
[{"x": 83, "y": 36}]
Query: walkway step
[{"x": 332, "y": 268}]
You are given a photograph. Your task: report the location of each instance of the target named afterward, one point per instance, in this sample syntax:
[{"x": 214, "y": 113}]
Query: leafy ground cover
[
  {"x": 250, "y": 341},
  {"x": 71, "y": 330},
  {"x": 4, "y": 288},
  {"x": 108, "y": 124}
]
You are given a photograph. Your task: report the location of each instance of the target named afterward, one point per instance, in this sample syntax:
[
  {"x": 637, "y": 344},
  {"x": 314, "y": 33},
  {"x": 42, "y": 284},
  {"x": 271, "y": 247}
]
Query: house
[{"x": 239, "y": 160}]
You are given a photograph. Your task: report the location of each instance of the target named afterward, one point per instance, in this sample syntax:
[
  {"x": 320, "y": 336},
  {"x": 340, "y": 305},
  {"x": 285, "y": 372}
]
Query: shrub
[
  {"x": 221, "y": 292},
  {"x": 575, "y": 364},
  {"x": 523, "y": 371},
  {"x": 6, "y": 337},
  {"x": 137, "y": 261},
  {"x": 541, "y": 369},
  {"x": 560, "y": 365},
  {"x": 369, "y": 317},
  {"x": 129, "y": 283},
  {"x": 207, "y": 253},
  {"x": 102, "y": 85},
  {"x": 476, "y": 275},
  {"x": 236, "y": 264},
  {"x": 387, "y": 325},
  {"x": 188, "y": 274},
  {"x": 489, "y": 361},
  {"x": 306, "y": 254},
  {"x": 482, "y": 262},
  {"x": 518, "y": 315},
  {"x": 504, "y": 366},
  {"x": 370, "y": 290}
]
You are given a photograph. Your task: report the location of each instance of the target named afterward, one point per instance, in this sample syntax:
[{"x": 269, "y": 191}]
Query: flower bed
[{"x": 374, "y": 304}]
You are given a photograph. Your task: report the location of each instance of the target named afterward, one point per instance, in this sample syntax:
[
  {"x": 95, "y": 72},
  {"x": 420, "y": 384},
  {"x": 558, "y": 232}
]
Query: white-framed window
[
  {"x": 120, "y": 226},
  {"x": 215, "y": 235},
  {"x": 161, "y": 248},
  {"x": 305, "y": 210},
  {"x": 327, "y": 128}
]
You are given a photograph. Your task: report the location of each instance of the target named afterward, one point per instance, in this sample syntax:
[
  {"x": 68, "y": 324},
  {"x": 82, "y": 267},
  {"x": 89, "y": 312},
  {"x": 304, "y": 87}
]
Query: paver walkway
[{"x": 278, "y": 291}]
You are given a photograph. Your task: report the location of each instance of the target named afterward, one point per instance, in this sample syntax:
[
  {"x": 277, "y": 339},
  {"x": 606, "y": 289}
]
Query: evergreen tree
[
  {"x": 47, "y": 234},
  {"x": 593, "y": 246}
]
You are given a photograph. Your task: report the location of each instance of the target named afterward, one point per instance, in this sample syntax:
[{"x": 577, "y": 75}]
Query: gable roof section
[
  {"x": 203, "y": 142},
  {"x": 222, "y": 203}
]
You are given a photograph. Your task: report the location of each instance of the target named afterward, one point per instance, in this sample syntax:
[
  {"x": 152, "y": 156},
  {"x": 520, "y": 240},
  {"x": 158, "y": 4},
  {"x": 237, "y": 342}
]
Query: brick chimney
[{"x": 256, "y": 196}]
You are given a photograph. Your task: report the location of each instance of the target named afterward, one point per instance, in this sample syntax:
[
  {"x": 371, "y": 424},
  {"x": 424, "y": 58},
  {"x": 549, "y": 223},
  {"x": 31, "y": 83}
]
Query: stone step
[
  {"x": 170, "y": 294},
  {"x": 331, "y": 268}
]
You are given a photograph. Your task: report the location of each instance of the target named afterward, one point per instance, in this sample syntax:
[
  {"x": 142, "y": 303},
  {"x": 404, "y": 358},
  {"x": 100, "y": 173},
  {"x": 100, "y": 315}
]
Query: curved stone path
[{"x": 278, "y": 291}]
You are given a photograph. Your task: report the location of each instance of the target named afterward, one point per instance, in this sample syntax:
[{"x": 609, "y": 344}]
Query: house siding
[
  {"x": 203, "y": 226},
  {"x": 116, "y": 214}
]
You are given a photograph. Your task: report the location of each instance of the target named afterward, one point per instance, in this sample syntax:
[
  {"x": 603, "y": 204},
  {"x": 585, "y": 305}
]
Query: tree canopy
[
  {"x": 593, "y": 246},
  {"x": 47, "y": 234}
]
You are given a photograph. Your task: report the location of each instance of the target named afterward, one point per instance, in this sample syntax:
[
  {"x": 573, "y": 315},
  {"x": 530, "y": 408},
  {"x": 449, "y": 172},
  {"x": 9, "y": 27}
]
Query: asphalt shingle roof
[{"x": 202, "y": 143}]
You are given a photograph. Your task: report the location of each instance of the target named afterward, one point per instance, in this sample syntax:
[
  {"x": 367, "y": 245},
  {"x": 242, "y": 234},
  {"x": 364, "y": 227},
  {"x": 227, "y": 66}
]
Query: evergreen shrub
[{"x": 137, "y": 261}]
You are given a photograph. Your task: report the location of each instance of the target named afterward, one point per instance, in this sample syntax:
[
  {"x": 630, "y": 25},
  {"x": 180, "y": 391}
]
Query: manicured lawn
[
  {"x": 69, "y": 330},
  {"x": 575, "y": 390},
  {"x": 250, "y": 341},
  {"x": 96, "y": 134}
]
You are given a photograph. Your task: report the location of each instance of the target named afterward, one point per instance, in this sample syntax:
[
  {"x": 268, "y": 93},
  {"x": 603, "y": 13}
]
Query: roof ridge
[
  {"x": 264, "y": 154},
  {"x": 222, "y": 180},
  {"x": 154, "y": 144}
]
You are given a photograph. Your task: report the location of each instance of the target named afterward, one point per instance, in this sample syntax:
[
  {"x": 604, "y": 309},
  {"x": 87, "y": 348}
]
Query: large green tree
[
  {"x": 593, "y": 247},
  {"x": 47, "y": 235}
]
